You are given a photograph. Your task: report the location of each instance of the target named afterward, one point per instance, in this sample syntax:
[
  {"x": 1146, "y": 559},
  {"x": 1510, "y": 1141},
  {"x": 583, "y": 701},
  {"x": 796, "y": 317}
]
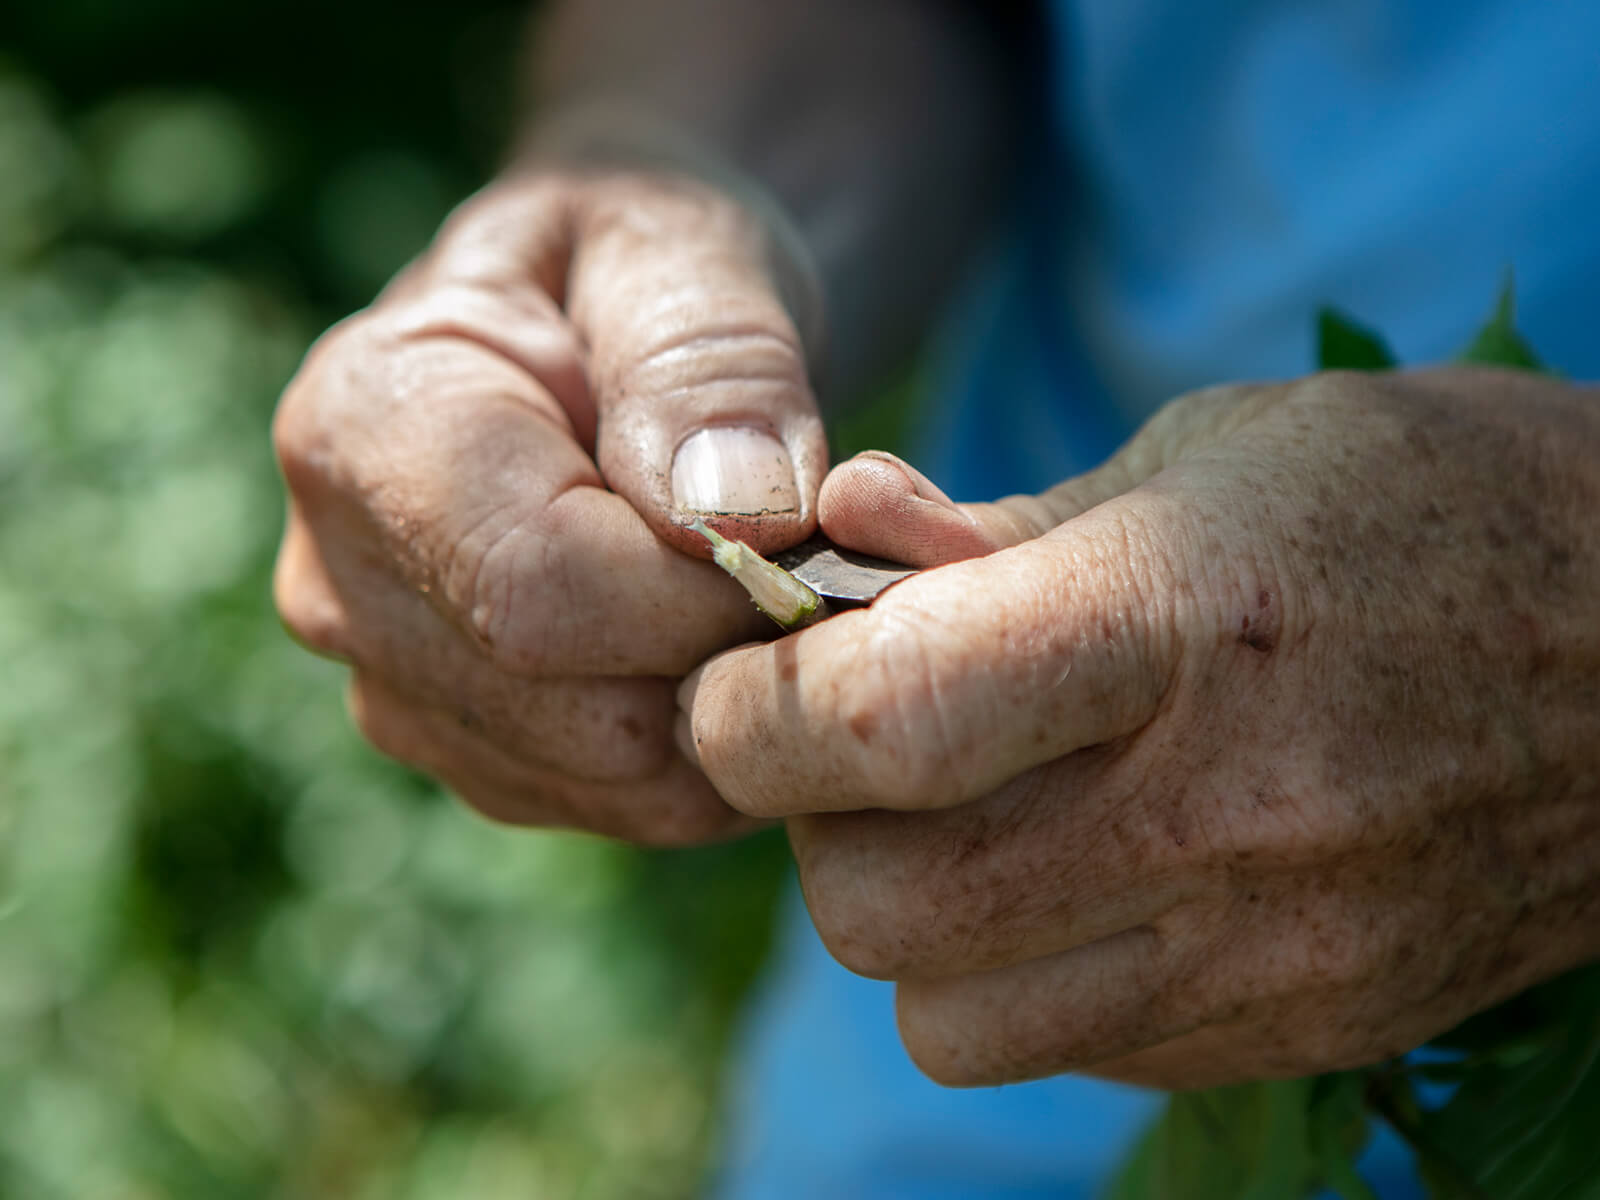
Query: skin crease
[{"x": 1272, "y": 747}]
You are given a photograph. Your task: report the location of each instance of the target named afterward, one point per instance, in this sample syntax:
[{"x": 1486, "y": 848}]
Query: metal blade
[{"x": 842, "y": 577}]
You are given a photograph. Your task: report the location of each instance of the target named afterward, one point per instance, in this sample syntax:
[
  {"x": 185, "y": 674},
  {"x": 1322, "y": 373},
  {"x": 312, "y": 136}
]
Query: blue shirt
[{"x": 1212, "y": 173}]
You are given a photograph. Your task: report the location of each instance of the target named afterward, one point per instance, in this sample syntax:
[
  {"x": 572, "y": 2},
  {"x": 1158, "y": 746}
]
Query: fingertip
[
  {"x": 923, "y": 487},
  {"x": 688, "y": 688},
  {"x": 879, "y": 504},
  {"x": 720, "y": 707},
  {"x": 308, "y": 603},
  {"x": 864, "y": 482},
  {"x": 700, "y": 688},
  {"x": 688, "y": 744}
]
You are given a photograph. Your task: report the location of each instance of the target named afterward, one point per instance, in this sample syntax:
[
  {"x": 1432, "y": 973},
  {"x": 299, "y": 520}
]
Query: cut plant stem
[{"x": 777, "y": 593}]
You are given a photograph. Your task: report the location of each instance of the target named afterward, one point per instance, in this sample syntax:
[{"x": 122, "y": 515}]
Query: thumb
[
  {"x": 879, "y": 504},
  {"x": 697, "y": 364}
]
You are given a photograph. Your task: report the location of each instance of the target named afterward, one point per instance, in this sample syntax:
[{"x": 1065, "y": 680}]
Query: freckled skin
[{"x": 1272, "y": 747}]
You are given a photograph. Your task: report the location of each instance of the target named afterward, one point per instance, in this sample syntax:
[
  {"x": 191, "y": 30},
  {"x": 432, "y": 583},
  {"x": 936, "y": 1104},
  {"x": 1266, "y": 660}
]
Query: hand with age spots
[
  {"x": 491, "y": 474},
  {"x": 1271, "y": 747}
]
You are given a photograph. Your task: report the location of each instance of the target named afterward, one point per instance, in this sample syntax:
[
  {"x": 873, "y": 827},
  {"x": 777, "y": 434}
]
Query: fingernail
[{"x": 733, "y": 469}]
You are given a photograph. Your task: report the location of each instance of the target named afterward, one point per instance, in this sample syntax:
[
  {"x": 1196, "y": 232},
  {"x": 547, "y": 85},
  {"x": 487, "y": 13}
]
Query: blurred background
[{"x": 240, "y": 955}]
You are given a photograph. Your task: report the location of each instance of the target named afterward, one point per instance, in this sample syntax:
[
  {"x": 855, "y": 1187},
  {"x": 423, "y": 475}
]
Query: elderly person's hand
[
  {"x": 1269, "y": 748},
  {"x": 491, "y": 470}
]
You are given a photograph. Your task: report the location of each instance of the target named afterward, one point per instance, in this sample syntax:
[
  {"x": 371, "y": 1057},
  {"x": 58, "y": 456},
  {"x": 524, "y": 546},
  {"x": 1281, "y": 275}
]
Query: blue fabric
[
  {"x": 1210, "y": 175},
  {"x": 826, "y": 1103},
  {"x": 1222, "y": 170}
]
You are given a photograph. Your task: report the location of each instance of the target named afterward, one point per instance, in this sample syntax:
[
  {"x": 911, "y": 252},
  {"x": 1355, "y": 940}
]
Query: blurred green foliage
[{"x": 240, "y": 955}]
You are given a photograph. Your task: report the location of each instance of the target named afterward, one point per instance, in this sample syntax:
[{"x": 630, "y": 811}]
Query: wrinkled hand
[
  {"x": 490, "y": 469},
  {"x": 1271, "y": 747}
]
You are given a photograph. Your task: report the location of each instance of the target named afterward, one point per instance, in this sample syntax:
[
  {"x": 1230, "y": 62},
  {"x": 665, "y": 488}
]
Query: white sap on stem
[{"x": 776, "y": 592}]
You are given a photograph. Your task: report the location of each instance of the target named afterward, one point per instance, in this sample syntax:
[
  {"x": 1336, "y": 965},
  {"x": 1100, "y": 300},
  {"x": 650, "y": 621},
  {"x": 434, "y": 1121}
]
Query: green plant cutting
[{"x": 777, "y": 593}]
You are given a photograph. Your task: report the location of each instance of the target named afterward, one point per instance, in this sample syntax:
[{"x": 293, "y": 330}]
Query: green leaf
[
  {"x": 1261, "y": 1141},
  {"x": 1339, "y": 1128},
  {"x": 1498, "y": 343},
  {"x": 1530, "y": 1130},
  {"x": 1344, "y": 345}
]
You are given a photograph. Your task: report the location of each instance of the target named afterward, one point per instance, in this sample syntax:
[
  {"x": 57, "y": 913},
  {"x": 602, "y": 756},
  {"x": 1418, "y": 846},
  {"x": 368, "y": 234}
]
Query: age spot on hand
[
  {"x": 1257, "y": 636},
  {"x": 1260, "y": 633}
]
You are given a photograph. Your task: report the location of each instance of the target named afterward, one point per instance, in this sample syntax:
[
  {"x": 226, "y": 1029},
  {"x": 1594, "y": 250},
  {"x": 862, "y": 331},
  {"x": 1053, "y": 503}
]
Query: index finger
[{"x": 950, "y": 684}]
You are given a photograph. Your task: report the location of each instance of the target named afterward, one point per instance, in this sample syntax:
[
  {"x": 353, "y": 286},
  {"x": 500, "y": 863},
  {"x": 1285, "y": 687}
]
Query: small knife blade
[{"x": 842, "y": 577}]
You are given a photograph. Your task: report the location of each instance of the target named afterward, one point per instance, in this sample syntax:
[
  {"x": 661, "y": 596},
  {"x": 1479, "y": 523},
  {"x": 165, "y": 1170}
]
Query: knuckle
[
  {"x": 314, "y": 620},
  {"x": 690, "y": 822},
  {"x": 1360, "y": 393},
  {"x": 295, "y": 439},
  {"x": 308, "y": 606},
  {"x": 301, "y": 438},
  {"x": 506, "y": 321},
  {"x": 899, "y": 752},
  {"x": 385, "y": 725},
  {"x": 525, "y": 808},
  {"x": 474, "y": 239},
  {"x": 759, "y": 347}
]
